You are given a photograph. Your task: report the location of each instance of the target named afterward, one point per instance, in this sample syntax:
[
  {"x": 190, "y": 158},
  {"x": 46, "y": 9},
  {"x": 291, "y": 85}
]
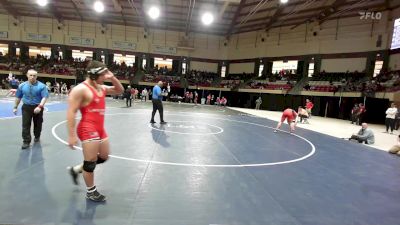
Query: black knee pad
[
  {"x": 89, "y": 166},
  {"x": 100, "y": 160}
]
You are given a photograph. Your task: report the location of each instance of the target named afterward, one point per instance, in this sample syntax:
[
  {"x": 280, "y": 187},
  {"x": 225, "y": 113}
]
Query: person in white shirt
[
  {"x": 390, "y": 118},
  {"x": 144, "y": 94}
]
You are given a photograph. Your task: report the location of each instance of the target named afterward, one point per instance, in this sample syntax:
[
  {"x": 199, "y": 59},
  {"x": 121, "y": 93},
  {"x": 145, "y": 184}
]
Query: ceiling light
[
  {"x": 154, "y": 12},
  {"x": 98, "y": 6},
  {"x": 42, "y": 3},
  {"x": 207, "y": 18},
  {"x": 284, "y": 1}
]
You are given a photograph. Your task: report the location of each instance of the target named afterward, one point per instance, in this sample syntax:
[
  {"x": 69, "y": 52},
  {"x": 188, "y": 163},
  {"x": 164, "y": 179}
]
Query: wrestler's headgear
[{"x": 95, "y": 68}]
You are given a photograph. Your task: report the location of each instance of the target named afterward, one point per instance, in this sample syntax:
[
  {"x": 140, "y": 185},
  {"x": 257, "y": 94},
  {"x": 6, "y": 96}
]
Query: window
[
  {"x": 4, "y": 49},
  {"x": 310, "y": 69},
  {"x": 144, "y": 63},
  {"x": 183, "y": 68},
  {"x": 34, "y": 51},
  {"x": 82, "y": 55},
  {"x": 223, "y": 70},
  {"x": 260, "y": 71},
  {"x": 129, "y": 60},
  {"x": 160, "y": 62},
  {"x": 279, "y": 66},
  {"x": 378, "y": 67}
]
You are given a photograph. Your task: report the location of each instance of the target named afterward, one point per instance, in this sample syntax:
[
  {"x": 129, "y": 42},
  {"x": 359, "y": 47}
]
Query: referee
[
  {"x": 34, "y": 95},
  {"x": 157, "y": 102}
]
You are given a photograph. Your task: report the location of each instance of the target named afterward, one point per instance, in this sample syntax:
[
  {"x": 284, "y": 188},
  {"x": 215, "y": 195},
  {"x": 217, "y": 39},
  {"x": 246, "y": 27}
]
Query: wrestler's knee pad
[
  {"x": 100, "y": 160},
  {"x": 89, "y": 166}
]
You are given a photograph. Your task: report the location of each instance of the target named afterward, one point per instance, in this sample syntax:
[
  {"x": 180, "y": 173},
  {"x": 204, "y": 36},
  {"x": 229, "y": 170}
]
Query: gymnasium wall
[
  {"x": 343, "y": 65},
  {"x": 336, "y": 36},
  {"x": 236, "y": 68},
  {"x": 394, "y": 61},
  {"x": 203, "y": 66}
]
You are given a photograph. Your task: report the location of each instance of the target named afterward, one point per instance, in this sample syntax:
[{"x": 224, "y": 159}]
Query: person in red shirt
[
  {"x": 309, "y": 106},
  {"x": 223, "y": 101},
  {"x": 218, "y": 101},
  {"x": 361, "y": 113},
  {"x": 89, "y": 98},
  {"x": 290, "y": 116}
]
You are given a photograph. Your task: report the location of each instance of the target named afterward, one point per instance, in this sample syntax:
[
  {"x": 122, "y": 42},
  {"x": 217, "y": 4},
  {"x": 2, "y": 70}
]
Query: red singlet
[
  {"x": 289, "y": 114},
  {"x": 91, "y": 126}
]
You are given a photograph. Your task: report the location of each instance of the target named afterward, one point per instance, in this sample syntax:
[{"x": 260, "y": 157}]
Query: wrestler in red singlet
[
  {"x": 290, "y": 115},
  {"x": 91, "y": 126}
]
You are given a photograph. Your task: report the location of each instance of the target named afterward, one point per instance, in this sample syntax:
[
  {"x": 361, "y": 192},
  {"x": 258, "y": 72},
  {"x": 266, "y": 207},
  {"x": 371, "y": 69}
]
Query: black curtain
[
  {"x": 175, "y": 66},
  {"x": 68, "y": 54},
  {"x": 24, "y": 53},
  {"x": 151, "y": 63},
  {"x": 110, "y": 59},
  {"x": 54, "y": 53},
  {"x": 268, "y": 67},
  {"x": 300, "y": 67}
]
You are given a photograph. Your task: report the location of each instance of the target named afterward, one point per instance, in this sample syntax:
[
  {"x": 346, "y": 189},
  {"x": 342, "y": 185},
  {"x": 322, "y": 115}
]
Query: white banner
[
  {"x": 75, "y": 40},
  {"x": 164, "y": 49},
  {"x": 3, "y": 34},
  {"x": 38, "y": 37},
  {"x": 124, "y": 45},
  {"x": 81, "y": 41}
]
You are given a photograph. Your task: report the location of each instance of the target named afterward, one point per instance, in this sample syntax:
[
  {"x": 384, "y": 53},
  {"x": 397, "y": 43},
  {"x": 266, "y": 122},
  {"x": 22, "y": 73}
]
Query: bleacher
[
  {"x": 277, "y": 85},
  {"x": 230, "y": 83},
  {"x": 174, "y": 81}
]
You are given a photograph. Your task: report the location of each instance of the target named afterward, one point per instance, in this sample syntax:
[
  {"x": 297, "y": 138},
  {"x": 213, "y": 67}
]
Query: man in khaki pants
[{"x": 396, "y": 148}]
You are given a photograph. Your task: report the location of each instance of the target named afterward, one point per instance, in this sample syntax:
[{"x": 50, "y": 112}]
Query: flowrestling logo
[{"x": 370, "y": 15}]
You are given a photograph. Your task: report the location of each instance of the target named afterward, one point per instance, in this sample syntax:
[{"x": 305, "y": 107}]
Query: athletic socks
[
  {"x": 93, "y": 195},
  {"x": 78, "y": 168}
]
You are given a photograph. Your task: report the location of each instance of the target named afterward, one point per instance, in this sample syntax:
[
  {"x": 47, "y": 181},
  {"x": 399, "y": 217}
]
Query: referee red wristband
[{"x": 40, "y": 106}]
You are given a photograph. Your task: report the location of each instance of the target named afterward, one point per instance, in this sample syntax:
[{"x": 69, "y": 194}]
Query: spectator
[
  {"x": 397, "y": 119},
  {"x": 390, "y": 118},
  {"x": 190, "y": 97},
  {"x": 309, "y": 106},
  {"x": 135, "y": 93},
  {"x": 144, "y": 95},
  {"x": 218, "y": 102},
  {"x": 364, "y": 135},
  {"x": 258, "y": 103},
  {"x": 128, "y": 96},
  {"x": 48, "y": 85},
  {"x": 354, "y": 114},
  {"x": 208, "y": 102},
  {"x": 223, "y": 101},
  {"x": 396, "y": 148},
  {"x": 196, "y": 96},
  {"x": 14, "y": 83},
  {"x": 64, "y": 89},
  {"x": 361, "y": 113}
]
